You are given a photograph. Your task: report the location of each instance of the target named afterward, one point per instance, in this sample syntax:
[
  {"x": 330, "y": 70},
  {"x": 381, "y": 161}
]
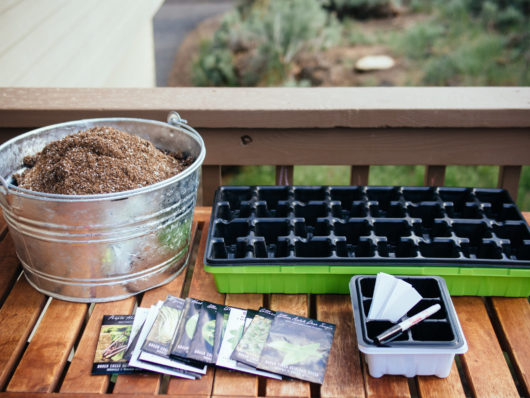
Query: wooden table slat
[
  {"x": 232, "y": 383},
  {"x": 17, "y": 318},
  {"x": 9, "y": 265},
  {"x": 386, "y": 386},
  {"x": 79, "y": 377},
  {"x": 484, "y": 362},
  {"x": 344, "y": 376},
  {"x": 43, "y": 362},
  {"x": 514, "y": 320},
  {"x": 202, "y": 288},
  {"x": 434, "y": 387},
  {"x": 294, "y": 304}
]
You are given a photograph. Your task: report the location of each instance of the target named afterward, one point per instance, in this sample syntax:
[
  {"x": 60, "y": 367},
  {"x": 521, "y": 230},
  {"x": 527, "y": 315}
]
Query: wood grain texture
[
  {"x": 150, "y": 383},
  {"x": 276, "y": 107},
  {"x": 79, "y": 377},
  {"x": 434, "y": 387},
  {"x": 42, "y": 364},
  {"x": 514, "y": 320},
  {"x": 344, "y": 377},
  {"x": 231, "y": 383},
  {"x": 202, "y": 287},
  {"x": 293, "y": 304},
  {"x": 364, "y": 146},
  {"x": 9, "y": 265},
  {"x": 17, "y": 318},
  {"x": 386, "y": 386},
  {"x": 484, "y": 363}
]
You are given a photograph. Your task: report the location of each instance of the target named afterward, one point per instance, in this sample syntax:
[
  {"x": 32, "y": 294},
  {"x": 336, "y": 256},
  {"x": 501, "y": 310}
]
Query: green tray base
[{"x": 507, "y": 282}]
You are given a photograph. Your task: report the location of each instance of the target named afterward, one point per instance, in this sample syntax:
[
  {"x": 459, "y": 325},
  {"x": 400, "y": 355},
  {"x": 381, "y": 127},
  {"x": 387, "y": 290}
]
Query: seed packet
[
  {"x": 234, "y": 330},
  {"x": 112, "y": 344},
  {"x": 135, "y": 360},
  {"x": 249, "y": 348},
  {"x": 186, "y": 329},
  {"x": 220, "y": 326},
  {"x": 297, "y": 347},
  {"x": 202, "y": 344},
  {"x": 163, "y": 331}
]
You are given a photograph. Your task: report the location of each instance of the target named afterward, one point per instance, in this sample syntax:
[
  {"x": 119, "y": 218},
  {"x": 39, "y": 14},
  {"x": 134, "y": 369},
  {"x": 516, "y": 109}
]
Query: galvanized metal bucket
[{"x": 94, "y": 248}]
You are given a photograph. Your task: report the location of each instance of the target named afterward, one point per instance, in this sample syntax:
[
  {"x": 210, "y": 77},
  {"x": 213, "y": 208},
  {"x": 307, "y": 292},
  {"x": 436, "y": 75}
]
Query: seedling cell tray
[
  {"x": 427, "y": 348},
  {"x": 312, "y": 239}
]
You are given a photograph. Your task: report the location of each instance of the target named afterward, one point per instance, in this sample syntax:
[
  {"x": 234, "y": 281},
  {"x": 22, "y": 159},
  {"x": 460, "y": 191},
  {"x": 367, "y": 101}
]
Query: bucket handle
[{"x": 174, "y": 119}]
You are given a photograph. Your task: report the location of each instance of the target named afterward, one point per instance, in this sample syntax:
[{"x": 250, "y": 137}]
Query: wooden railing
[{"x": 358, "y": 127}]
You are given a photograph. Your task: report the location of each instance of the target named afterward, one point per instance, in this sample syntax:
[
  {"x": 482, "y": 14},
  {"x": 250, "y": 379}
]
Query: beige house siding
[{"x": 77, "y": 43}]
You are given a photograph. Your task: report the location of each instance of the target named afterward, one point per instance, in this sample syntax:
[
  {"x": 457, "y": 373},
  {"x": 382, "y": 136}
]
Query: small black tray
[
  {"x": 439, "y": 329},
  {"x": 349, "y": 225}
]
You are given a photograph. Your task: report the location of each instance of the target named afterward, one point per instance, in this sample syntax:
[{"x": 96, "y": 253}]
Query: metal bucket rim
[{"x": 182, "y": 127}]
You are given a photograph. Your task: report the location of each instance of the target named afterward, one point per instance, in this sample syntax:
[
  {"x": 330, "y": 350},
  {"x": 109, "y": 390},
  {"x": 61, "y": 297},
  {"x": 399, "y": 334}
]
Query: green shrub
[{"x": 263, "y": 38}]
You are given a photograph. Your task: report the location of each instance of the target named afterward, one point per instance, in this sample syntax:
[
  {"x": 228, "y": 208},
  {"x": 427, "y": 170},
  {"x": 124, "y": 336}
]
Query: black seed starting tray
[{"x": 342, "y": 226}]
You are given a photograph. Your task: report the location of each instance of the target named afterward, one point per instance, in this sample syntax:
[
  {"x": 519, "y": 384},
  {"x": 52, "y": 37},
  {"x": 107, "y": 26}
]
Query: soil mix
[{"x": 99, "y": 160}]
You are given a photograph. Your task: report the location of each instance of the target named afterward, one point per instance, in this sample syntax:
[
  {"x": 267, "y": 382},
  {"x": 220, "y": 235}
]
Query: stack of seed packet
[{"x": 181, "y": 337}]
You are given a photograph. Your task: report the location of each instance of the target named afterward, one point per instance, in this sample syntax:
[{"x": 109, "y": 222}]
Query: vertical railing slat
[
  {"x": 434, "y": 175},
  {"x": 359, "y": 175},
  {"x": 509, "y": 177},
  {"x": 211, "y": 179}
]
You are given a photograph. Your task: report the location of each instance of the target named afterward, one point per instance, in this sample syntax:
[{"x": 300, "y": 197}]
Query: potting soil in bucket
[{"x": 121, "y": 227}]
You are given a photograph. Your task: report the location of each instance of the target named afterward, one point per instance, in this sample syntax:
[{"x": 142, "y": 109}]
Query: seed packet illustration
[
  {"x": 297, "y": 347},
  {"x": 163, "y": 331},
  {"x": 112, "y": 344},
  {"x": 186, "y": 329},
  {"x": 135, "y": 360},
  {"x": 234, "y": 330},
  {"x": 248, "y": 350},
  {"x": 220, "y": 327},
  {"x": 202, "y": 344}
]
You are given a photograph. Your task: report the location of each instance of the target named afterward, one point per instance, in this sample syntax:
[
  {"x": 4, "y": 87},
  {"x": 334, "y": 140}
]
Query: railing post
[
  {"x": 434, "y": 175},
  {"x": 359, "y": 175},
  {"x": 211, "y": 179},
  {"x": 509, "y": 177}
]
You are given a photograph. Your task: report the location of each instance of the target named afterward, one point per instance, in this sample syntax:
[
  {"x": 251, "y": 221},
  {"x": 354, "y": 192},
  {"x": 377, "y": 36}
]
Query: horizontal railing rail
[{"x": 284, "y": 127}]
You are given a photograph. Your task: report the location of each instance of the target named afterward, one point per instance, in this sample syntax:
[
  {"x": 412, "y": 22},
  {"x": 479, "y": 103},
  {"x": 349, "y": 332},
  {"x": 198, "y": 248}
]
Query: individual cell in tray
[
  {"x": 264, "y": 210},
  {"x": 405, "y": 248},
  {"x": 375, "y": 328},
  {"x": 346, "y": 195},
  {"x": 432, "y": 331},
  {"x": 352, "y": 230},
  {"x": 467, "y": 211},
  {"x": 230, "y": 231},
  {"x": 494, "y": 197},
  {"x": 439, "y": 249},
  {"x": 259, "y": 248},
  {"x": 505, "y": 213},
  {"x": 313, "y": 248},
  {"x": 458, "y": 196},
  {"x": 420, "y": 194},
  {"x": 426, "y": 213},
  {"x": 308, "y": 194},
  {"x": 225, "y": 212},
  {"x": 440, "y": 229},
  {"x": 272, "y": 195},
  {"x": 311, "y": 212},
  {"x": 387, "y": 210},
  {"x": 521, "y": 252},
  {"x": 474, "y": 232},
  {"x": 271, "y": 229},
  {"x": 392, "y": 230},
  {"x": 234, "y": 195},
  {"x": 516, "y": 233},
  {"x": 383, "y": 195},
  {"x": 220, "y": 250},
  {"x": 363, "y": 248},
  {"x": 355, "y": 210},
  {"x": 483, "y": 250}
]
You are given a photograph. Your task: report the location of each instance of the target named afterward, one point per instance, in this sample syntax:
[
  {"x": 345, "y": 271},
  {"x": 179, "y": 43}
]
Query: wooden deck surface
[{"x": 56, "y": 356}]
